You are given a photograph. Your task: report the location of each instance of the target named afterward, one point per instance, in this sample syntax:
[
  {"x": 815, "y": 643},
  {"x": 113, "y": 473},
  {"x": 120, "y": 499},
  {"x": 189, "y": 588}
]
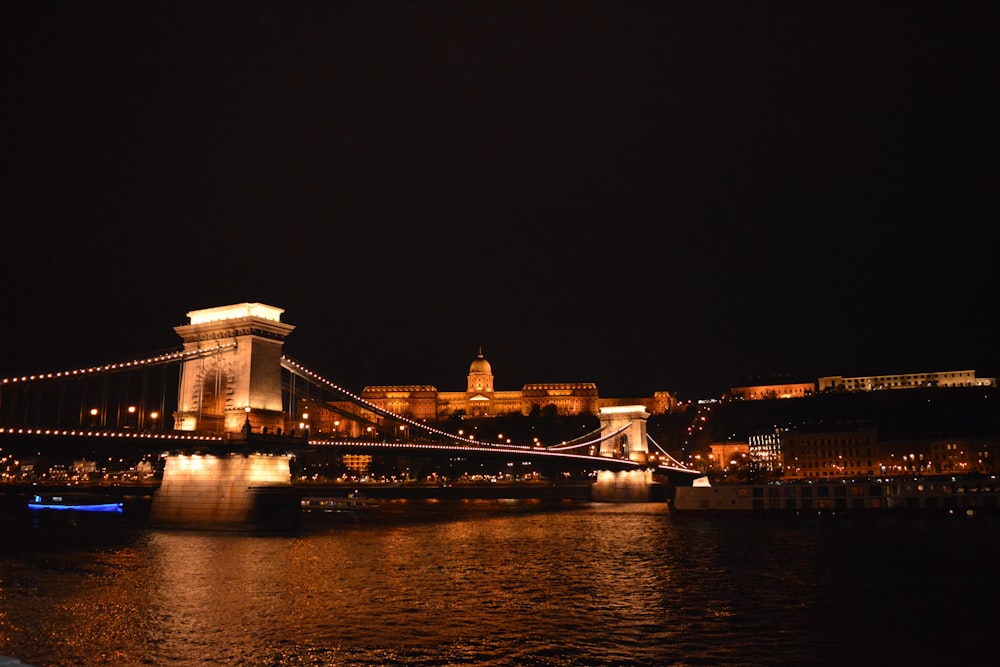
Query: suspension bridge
[{"x": 230, "y": 393}]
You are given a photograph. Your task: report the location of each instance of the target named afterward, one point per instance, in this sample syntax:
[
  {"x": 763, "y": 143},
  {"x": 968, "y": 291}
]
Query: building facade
[
  {"x": 863, "y": 383},
  {"x": 766, "y": 391},
  {"x": 805, "y": 453},
  {"x": 820, "y": 454},
  {"x": 482, "y": 399},
  {"x": 722, "y": 457},
  {"x": 904, "y": 381}
]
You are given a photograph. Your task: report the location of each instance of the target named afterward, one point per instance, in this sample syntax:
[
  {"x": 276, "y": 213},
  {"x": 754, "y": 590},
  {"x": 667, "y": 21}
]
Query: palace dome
[{"x": 480, "y": 365}]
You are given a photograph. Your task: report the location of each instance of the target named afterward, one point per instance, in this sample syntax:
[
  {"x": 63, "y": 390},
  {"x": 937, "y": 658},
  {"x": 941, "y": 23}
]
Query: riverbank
[{"x": 571, "y": 490}]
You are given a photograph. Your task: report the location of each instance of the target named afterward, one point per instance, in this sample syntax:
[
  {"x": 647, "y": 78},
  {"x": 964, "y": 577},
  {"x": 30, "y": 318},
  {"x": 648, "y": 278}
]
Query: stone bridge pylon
[
  {"x": 238, "y": 378},
  {"x": 631, "y": 443}
]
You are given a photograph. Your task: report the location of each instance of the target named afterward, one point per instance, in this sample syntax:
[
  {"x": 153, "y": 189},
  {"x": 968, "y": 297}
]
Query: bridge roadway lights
[{"x": 227, "y": 491}]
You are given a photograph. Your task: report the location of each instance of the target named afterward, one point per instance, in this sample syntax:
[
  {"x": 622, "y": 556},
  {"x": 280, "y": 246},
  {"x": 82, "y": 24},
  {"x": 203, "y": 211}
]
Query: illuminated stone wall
[
  {"x": 224, "y": 491},
  {"x": 905, "y": 381},
  {"x": 768, "y": 391},
  {"x": 216, "y": 389},
  {"x": 623, "y": 486},
  {"x": 630, "y": 444}
]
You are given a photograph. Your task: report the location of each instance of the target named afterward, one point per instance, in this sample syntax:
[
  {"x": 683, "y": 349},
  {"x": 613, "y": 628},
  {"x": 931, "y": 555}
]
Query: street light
[
  {"x": 131, "y": 413},
  {"x": 152, "y": 419},
  {"x": 93, "y": 417}
]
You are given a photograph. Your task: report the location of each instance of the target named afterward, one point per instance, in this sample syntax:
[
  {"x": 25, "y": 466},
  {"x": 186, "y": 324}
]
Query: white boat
[{"x": 948, "y": 494}]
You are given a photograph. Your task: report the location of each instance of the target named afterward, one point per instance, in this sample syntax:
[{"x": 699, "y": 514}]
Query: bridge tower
[
  {"x": 625, "y": 485},
  {"x": 222, "y": 391},
  {"x": 233, "y": 389},
  {"x": 631, "y": 443}
]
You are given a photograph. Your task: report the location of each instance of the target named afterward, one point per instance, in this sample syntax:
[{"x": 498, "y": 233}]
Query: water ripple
[{"x": 592, "y": 585}]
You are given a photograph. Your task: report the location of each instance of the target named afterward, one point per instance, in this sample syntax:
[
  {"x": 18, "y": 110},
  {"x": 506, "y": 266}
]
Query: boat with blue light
[{"x": 75, "y": 502}]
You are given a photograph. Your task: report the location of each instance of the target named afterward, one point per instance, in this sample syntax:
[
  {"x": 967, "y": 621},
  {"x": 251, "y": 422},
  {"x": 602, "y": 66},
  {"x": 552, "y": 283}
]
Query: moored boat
[
  {"x": 354, "y": 502},
  {"x": 948, "y": 494},
  {"x": 75, "y": 502}
]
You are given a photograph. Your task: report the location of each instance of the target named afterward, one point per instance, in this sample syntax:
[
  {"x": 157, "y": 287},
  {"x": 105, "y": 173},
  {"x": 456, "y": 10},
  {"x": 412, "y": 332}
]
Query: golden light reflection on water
[
  {"x": 402, "y": 587},
  {"x": 473, "y": 585}
]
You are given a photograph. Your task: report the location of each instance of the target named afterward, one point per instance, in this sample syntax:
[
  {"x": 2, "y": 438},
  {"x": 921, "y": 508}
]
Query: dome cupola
[
  {"x": 480, "y": 365},
  {"x": 480, "y": 374}
]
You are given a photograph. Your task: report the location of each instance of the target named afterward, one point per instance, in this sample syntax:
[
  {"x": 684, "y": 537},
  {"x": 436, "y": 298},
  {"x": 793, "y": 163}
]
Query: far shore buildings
[
  {"x": 767, "y": 391},
  {"x": 905, "y": 381},
  {"x": 834, "y": 383},
  {"x": 482, "y": 399},
  {"x": 811, "y": 454},
  {"x": 851, "y": 450}
]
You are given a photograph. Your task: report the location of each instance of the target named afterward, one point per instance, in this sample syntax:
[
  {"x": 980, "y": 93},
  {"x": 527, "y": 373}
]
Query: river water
[{"x": 502, "y": 583}]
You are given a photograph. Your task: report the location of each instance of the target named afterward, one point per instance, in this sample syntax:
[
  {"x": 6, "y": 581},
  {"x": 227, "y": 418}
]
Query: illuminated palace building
[{"x": 481, "y": 399}]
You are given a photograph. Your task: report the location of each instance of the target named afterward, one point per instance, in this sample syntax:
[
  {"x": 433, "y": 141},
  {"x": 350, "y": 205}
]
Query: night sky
[{"x": 679, "y": 196}]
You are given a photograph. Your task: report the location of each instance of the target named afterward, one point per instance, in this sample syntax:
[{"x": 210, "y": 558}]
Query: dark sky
[{"x": 680, "y": 196}]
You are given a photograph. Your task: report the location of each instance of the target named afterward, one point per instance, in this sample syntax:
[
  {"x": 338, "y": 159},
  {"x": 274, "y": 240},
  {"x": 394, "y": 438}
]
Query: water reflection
[{"x": 491, "y": 585}]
